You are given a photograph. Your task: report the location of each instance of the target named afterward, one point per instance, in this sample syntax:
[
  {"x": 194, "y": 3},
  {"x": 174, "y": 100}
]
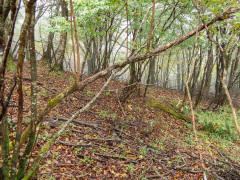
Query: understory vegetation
[{"x": 219, "y": 123}]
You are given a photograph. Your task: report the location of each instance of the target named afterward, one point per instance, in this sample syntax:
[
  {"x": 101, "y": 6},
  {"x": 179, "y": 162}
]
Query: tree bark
[
  {"x": 234, "y": 68},
  {"x": 210, "y": 65},
  {"x": 25, "y": 25},
  {"x": 166, "y": 74},
  {"x": 47, "y": 55},
  {"x": 178, "y": 76},
  {"x": 58, "y": 64},
  {"x": 24, "y": 158}
]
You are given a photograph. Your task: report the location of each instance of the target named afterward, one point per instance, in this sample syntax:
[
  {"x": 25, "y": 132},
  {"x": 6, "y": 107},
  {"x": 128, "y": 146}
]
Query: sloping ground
[{"x": 130, "y": 140}]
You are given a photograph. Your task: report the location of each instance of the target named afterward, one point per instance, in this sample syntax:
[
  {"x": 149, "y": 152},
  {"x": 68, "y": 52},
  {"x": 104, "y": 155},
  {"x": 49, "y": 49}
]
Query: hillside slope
[{"x": 114, "y": 140}]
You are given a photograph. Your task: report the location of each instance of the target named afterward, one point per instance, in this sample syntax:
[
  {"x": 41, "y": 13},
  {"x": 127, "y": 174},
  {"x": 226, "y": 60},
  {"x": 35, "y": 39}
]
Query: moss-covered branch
[{"x": 169, "y": 110}]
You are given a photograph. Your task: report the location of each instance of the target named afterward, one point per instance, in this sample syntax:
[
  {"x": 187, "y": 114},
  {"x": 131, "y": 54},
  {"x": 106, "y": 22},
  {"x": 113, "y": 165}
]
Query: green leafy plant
[
  {"x": 44, "y": 93},
  {"x": 79, "y": 149},
  {"x": 56, "y": 73},
  {"x": 108, "y": 93},
  {"x": 113, "y": 116},
  {"x": 52, "y": 178},
  {"x": 138, "y": 108},
  {"x": 219, "y": 124},
  {"x": 86, "y": 160},
  {"x": 71, "y": 79},
  {"x": 186, "y": 110},
  {"x": 103, "y": 113},
  {"x": 64, "y": 134},
  {"x": 144, "y": 151},
  {"x": 88, "y": 93},
  {"x": 130, "y": 169},
  {"x": 56, "y": 155},
  {"x": 45, "y": 136},
  {"x": 108, "y": 115},
  {"x": 105, "y": 149}
]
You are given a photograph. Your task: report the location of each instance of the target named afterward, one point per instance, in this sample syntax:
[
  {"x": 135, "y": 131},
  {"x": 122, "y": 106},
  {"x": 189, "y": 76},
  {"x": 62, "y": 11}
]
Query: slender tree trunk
[
  {"x": 58, "y": 64},
  {"x": 76, "y": 40},
  {"x": 4, "y": 139},
  {"x": 178, "y": 76},
  {"x": 166, "y": 75},
  {"x": 47, "y": 54},
  {"x": 183, "y": 71},
  {"x": 31, "y": 41},
  {"x": 86, "y": 54},
  {"x": 149, "y": 76},
  {"x": 152, "y": 70},
  {"x": 204, "y": 78},
  {"x": 196, "y": 72},
  {"x": 234, "y": 68},
  {"x": 220, "y": 96},
  {"x": 209, "y": 70},
  {"x": 25, "y": 25},
  {"x": 223, "y": 79},
  {"x": 4, "y": 10}
]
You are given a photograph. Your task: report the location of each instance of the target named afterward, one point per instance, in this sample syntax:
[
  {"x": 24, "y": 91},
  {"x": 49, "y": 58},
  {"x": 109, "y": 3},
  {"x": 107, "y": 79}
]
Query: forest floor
[{"x": 130, "y": 140}]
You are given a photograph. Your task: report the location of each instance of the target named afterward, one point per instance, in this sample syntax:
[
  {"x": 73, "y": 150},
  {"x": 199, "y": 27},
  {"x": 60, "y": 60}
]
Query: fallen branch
[
  {"x": 170, "y": 111},
  {"x": 46, "y": 147},
  {"x": 112, "y": 156},
  {"x": 76, "y": 144},
  {"x": 90, "y": 157},
  {"x": 78, "y": 122}
]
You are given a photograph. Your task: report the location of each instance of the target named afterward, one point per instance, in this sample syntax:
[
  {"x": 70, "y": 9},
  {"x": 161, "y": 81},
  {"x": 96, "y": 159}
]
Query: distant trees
[{"x": 106, "y": 30}]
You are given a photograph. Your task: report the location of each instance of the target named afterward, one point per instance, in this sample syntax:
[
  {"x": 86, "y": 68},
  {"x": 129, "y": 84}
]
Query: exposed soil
[{"x": 107, "y": 143}]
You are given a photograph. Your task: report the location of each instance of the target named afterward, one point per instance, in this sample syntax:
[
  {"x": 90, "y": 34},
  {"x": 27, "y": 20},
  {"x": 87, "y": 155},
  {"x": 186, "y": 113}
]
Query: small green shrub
[
  {"x": 71, "y": 80},
  {"x": 219, "y": 123},
  {"x": 108, "y": 93}
]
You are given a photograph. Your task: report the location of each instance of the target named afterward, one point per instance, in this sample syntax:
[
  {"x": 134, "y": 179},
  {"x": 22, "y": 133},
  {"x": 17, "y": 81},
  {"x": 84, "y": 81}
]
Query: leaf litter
[{"x": 113, "y": 140}]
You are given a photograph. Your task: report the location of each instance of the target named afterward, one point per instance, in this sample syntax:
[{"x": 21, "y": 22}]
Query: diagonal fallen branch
[{"x": 55, "y": 136}]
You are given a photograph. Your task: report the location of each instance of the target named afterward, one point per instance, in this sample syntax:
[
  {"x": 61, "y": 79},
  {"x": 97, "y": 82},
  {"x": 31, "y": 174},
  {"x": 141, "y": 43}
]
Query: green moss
[
  {"x": 10, "y": 65},
  {"x": 168, "y": 110}
]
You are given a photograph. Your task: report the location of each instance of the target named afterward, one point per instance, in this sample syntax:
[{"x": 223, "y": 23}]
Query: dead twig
[{"x": 76, "y": 144}]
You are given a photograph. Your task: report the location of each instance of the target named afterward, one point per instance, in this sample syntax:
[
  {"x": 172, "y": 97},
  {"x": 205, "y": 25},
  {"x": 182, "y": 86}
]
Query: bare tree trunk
[
  {"x": 183, "y": 71},
  {"x": 166, "y": 74},
  {"x": 204, "y": 78},
  {"x": 209, "y": 70},
  {"x": 24, "y": 158},
  {"x": 58, "y": 64},
  {"x": 196, "y": 72},
  {"x": 4, "y": 11},
  {"x": 178, "y": 76},
  {"x": 223, "y": 79},
  {"x": 220, "y": 96},
  {"x": 47, "y": 54},
  {"x": 25, "y": 25},
  {"x": 152, "y": 71},
  {"x": 6, "y": 49},
  {"x": 234, "y": 68}
]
